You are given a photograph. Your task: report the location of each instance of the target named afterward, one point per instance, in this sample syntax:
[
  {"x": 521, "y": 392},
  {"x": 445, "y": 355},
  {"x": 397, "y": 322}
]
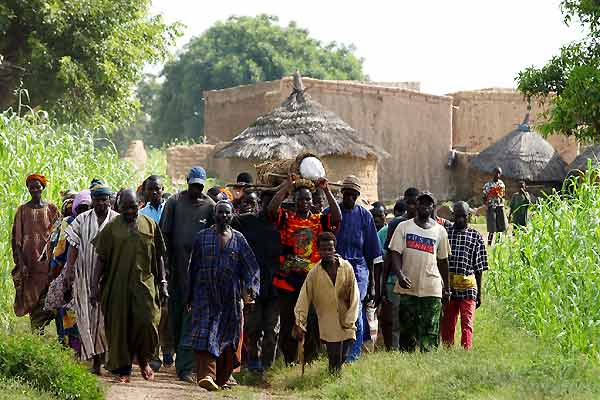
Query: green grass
[
  {"x": 505, "y": 363},
  {"x": 15, "y": 389}
]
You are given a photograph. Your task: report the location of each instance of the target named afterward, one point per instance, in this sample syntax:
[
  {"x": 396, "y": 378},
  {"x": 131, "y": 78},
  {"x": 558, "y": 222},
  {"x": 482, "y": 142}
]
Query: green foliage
[
  {"x": 242, "y": 50},
  {"x": 80, "y": 58},
  {"x": 505, "y": 363},
  {"x": 572, "y": 78},
  {"x": 66, "y": 155},
  {"x": 16, "y": 389},
  {"x": 140, "y": 128},
  {"x": 548, "y": 275},
  {"x": 47, "y": 367}
]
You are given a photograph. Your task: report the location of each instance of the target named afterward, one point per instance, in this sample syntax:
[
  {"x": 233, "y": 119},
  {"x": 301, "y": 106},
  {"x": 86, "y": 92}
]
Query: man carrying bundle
[{"x": 299, "y": 230}]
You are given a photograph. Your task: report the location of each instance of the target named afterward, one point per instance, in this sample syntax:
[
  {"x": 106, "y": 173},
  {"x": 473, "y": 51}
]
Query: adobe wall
[
  {"x": 482, "y": 117},
  {"x": 181, "y": 158},
  {"x": 415, "y": 128}
]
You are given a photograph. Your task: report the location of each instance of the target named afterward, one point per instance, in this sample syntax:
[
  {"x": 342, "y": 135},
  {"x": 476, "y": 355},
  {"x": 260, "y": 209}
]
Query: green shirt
[{"x": 519, "y": 204}]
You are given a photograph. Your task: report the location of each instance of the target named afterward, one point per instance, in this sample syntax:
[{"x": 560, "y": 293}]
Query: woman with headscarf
[
  {"x": 30, "y": 234},
  {"x": 82, "y": 261},
  {"x": 60, "y": 291}
]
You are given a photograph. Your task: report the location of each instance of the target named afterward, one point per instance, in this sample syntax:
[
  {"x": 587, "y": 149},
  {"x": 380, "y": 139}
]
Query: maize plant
[{"x": 549, "y": 273}]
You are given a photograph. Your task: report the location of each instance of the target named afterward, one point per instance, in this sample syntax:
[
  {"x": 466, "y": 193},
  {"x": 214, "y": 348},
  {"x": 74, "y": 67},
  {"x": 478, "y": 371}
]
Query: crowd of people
[{"x": 208, "y": 281}]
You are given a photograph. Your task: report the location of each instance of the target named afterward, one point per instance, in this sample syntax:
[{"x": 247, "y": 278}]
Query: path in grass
[
  {"x": 165, "y": 386},
  {"x": 506, "y": 363}
]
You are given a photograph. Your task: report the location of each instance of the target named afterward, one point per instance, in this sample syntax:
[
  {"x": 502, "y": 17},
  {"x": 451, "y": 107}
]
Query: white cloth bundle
[{"x": 312, "y": 168}]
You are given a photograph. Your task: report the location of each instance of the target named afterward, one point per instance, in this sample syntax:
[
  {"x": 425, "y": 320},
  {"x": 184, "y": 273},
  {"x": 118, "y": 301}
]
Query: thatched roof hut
[
  {"x": 581, "y": 161},
  {"x": 300, "y": 125},
  {"x": 523, "y": 155}
]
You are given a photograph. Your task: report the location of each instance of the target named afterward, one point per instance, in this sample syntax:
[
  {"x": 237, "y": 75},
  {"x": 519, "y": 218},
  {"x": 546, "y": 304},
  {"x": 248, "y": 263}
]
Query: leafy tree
[
  {"x": 146, "y": 92},
  {"x": 570, "y": 81},
  {"x": 79, "y": 59},
  {"x": 242, "y": 50}
]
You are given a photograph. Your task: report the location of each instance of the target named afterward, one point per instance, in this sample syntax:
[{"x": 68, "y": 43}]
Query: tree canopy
[
  {"x": 79, "y": 59},
  {"x": 242, "y": 50},
  {"x": 570, "y": 81}
]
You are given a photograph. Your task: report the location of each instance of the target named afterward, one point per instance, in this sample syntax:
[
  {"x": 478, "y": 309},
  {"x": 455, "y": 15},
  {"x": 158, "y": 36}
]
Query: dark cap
[{"x": 428, "y": 195}]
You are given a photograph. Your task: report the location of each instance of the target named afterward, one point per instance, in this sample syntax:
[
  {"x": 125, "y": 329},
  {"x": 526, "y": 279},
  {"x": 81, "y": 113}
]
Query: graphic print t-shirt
[{"x": 420, "y": 249}]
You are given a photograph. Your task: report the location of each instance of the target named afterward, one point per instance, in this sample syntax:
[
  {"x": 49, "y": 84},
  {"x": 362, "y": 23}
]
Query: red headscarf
[{"x": 36, "y": 177}]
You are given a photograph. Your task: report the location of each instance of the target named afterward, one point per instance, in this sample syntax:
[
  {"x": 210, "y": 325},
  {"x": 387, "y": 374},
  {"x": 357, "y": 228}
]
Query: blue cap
[{"x": 196, "y": 175}]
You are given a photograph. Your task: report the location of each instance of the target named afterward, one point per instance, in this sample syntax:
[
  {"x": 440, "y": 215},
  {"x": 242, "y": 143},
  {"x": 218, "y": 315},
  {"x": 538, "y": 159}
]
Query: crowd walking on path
[{"x": 239, "y": 275}]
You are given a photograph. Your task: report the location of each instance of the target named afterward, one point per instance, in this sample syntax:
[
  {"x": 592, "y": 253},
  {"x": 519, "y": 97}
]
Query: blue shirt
[
  {"x": 357, "y": 242},
  {"x": 152, "y": 212}
]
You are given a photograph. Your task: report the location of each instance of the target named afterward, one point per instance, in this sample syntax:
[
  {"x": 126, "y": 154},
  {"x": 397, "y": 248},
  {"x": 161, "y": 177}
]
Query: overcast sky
[{"x": 446, "y": 45}]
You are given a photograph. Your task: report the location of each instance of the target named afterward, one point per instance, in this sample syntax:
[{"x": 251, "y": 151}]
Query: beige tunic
[{"x": 337, "y": 306}]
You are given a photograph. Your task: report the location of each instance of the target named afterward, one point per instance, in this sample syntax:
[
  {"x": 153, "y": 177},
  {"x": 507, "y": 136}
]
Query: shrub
[
  {"x": 46, "y": 366},
  {"x": 548, "y": 274}
]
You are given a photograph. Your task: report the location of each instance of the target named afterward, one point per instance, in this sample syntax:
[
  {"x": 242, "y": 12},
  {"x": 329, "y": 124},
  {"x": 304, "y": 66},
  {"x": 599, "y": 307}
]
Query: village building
[
  {"x": 419, "y": 131},
  {"x": 301, "y": 125},
  {"x": 523, "y": 155}
]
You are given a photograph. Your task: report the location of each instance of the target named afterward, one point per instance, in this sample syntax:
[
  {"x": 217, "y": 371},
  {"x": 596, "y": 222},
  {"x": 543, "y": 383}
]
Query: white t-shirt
[{"x": 420, "y": 249}]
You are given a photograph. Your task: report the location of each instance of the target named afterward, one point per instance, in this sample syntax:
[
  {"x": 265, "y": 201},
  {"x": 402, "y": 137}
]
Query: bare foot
[
  {"x": 147, "y": 372},
  {"x": 123, "y": 379}
]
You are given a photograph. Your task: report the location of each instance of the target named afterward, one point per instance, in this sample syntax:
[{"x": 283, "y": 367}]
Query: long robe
[
  {"x": 30, "y": 234},
  {"x": 90, "y": 321},
  {"x": 129, "y": 289},
  {"x": 216, "y": 278}
]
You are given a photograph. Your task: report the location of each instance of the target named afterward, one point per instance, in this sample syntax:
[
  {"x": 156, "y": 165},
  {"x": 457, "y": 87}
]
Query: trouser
[
  {"x": 337, "y": 353},
  {"x": 180, "y": 321},
  {"x": 390, "y": 326},
  {"x": 261, "y": 323},
  {"x": 219, "y": 369},
  {"x": 356, "y": 348},
  {"x": 164, "y": 331},
  {"x": 419, "y": 322},
  {"x": 466, "y": 308},
  {"x": 287, "y": 318},
  {"x": 38, "y": 318}
]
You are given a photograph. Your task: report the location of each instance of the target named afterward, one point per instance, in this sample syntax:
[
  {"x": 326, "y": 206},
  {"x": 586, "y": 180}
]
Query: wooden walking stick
[{"x": 301, "y": 354}]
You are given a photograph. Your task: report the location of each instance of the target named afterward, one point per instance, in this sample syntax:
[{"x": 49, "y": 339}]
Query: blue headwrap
[{"x": 99, "y": 188}]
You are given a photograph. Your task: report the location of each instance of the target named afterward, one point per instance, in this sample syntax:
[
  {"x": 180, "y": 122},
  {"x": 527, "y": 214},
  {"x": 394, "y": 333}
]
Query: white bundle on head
[{"x": 312, "y": 168}]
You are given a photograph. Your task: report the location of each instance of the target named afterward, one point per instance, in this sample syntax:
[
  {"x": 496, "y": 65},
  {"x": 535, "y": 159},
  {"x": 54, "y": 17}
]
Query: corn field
[
  {"x": 548, "y": 275},
  {"x": 66, "y": 155}
]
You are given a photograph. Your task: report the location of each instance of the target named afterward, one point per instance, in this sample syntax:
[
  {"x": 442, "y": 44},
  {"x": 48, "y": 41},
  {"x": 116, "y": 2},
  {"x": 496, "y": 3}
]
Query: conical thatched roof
[
  {"x": 523, "y": 155},
  {"x": 298, "y": 125},
  {"x": 581, "y": 161}
]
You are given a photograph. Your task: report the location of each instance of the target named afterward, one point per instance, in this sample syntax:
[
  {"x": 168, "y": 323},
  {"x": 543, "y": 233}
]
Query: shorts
[{"x": 495, "y": 219}]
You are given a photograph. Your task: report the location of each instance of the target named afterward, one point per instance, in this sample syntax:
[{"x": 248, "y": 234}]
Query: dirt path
[{"x": 166, "y": 386}]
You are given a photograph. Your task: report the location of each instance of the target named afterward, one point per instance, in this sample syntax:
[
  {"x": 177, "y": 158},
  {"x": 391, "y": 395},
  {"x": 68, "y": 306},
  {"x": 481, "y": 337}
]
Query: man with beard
[
  {"x": 419, "y": 251},
  {"x": 223, "y": 271},
  {"x": 129, "y": 281},
  {"x": 184, "y": 215},
  {"x": 83, "y": 263}
]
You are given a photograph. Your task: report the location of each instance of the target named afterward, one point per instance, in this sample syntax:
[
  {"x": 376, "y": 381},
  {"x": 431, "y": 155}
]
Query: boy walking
[{"x": 332, "y": 289}]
